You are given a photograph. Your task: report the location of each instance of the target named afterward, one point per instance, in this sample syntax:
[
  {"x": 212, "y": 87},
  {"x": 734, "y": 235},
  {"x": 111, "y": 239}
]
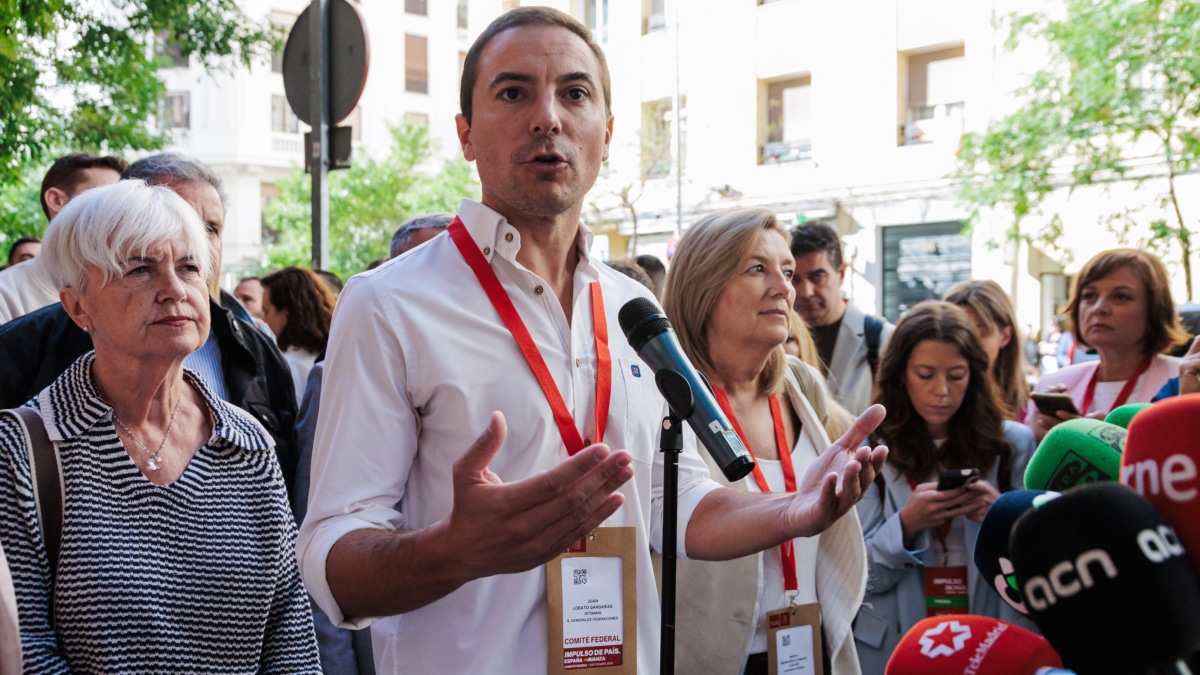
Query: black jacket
[{"x": 38, "y": 347}]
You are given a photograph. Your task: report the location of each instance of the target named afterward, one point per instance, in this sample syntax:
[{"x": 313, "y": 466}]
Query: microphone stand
[
  {"x": 671, "y": 445},
  {"x": 678, "y": 393}
]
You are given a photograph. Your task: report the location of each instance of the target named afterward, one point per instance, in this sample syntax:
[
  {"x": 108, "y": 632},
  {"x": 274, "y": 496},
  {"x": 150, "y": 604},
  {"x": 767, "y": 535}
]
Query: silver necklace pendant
[{"x": 153, "y": 464}]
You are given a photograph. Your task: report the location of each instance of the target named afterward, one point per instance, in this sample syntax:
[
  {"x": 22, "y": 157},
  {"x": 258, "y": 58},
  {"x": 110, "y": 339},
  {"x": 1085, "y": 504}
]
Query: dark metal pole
[
  {"x": 671, "y": 445},
  {"x": 318, "y": 150}
]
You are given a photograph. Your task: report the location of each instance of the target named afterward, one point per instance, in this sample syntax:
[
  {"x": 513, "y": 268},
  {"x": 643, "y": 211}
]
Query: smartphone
[
  {"x": 956, "y": 478},
  {"x": 1048, "y": 404}
]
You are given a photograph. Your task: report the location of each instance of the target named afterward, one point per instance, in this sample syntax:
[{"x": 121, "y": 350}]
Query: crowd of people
[{"x": 459, "y": 452}]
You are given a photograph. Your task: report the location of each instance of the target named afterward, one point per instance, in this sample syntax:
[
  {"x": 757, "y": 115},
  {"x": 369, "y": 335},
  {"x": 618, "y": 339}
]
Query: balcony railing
[
  {"x": 416, "y": 81},
  {"x": 932, "y": 124},
  {"x": 787, "y": 151}
]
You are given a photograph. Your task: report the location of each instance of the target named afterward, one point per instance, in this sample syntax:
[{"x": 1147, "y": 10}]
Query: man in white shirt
[
  {"x": 447, "y": 546},
  {"x": 26, "y": 286},
  {"x": 848, "y": 341}
]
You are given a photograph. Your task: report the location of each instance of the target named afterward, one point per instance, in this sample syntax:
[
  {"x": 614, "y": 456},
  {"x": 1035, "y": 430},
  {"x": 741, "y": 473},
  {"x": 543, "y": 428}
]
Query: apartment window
[
  {"x": 283, "y": 120},
  {"x": 654, "y": 15},
  {"x": 418, "y": 7},
  {"x": 786, "y": 134},
  {"x": 462, "y": 65},
  {"x": 595, "y": 17},
  {"x": 658, "y": 135},
  {"x": 934, "y": 89},
  {"x": 416, "y": 64},
  {"x": 178, "y": 113},
  {"x": 416, "y": 119},
  {"x": 462, "y": 14},
  {"x": 283, "y": 21},
  {"x": 510, "y": 4},
  {"x": 166, "y": 46}
]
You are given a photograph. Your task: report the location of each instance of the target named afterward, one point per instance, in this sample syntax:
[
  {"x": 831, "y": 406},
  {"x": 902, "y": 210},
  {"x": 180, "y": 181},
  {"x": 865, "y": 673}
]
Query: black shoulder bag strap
[
  {"x": 47, "y": 488},
  {"x": 872, "y": 331}
]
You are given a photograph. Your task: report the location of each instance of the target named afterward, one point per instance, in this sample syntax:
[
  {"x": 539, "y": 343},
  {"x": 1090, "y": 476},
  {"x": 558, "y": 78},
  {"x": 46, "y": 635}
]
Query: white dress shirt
[
  {"x": 25, "y": 287},
  {"x": 417, "y": 361}
]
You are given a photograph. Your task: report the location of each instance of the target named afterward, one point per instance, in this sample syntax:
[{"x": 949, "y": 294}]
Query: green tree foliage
[
  {"x": 1123, "y": 74},
  {"x": 82, "y": 75},
  {"x": 367, "y": 202}
]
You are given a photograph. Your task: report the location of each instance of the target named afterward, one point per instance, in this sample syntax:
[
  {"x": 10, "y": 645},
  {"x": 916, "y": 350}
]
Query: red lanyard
[
  {"x": 787, "y": 551},
  {"x": 571, "y": 437},
  {"x": 1090, "y": 394}
]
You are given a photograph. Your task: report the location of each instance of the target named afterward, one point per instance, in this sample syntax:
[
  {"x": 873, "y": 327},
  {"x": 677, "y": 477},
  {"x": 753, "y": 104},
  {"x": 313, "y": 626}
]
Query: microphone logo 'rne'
[{"x": 945, "y": 639}]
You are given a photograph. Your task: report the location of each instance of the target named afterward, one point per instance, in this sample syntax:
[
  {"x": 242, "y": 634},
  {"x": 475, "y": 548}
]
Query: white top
[
  {"x": 414, "y": 371},
  {"x": 300, "y": 362},
  {"x": 771, "y": 594},
  {"x": 25, "y": 287}
]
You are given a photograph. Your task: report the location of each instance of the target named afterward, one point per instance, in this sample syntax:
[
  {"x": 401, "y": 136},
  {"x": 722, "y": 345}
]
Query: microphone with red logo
[
  {"x": 966, "y": 643},
  {"x": 1160, "y": 463},
  {"x": 1076, "y": 452},
  {"x": 992, "y": 556},
  {"x": 1107, "y": 582}
]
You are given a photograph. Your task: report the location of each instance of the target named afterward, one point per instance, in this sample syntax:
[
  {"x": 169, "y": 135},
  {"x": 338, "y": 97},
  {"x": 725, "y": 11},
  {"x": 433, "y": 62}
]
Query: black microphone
[
  {"x": 1107, "y": 581},
  {"x": 686, "y": 390}
]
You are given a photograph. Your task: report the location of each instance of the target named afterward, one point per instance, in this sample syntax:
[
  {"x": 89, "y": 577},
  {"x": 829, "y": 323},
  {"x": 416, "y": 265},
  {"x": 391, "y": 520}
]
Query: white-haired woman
[
  {"x": 177, "y": 543},
  {"x": 729, "y": 297}
]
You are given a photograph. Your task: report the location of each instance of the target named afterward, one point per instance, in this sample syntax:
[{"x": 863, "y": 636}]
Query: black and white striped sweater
[{"x": 198, "y": 576}]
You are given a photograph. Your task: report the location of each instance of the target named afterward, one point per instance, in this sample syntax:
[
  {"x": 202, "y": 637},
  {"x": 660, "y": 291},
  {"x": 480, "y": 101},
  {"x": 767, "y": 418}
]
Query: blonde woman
[{"x": 729, "y": 296}]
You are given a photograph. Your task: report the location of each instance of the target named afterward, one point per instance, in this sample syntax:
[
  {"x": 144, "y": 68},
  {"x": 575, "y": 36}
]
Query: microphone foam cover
[
  {"x": 1107, "y": 581},
  {"x": 992, "y": 556},
  {"x": 961, "y": 643},
  {"x": 1123, "y": 415},
  {"x": 1160, "y": 463},
  {"x": 1076, "y": 452}
]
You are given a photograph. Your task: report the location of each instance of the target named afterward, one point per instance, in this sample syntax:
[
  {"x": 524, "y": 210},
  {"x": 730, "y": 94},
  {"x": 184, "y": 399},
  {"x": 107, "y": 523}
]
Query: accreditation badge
[
  {"x": 794, "y": 640},
  {"x": 946, "y": 591},
  {"x": 591, "y": 592}
]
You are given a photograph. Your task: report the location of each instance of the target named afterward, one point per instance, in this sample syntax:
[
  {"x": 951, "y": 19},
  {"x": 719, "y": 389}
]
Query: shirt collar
[
  {"x": 493, "y": 234},
  {"x": 72, "y": 405}
]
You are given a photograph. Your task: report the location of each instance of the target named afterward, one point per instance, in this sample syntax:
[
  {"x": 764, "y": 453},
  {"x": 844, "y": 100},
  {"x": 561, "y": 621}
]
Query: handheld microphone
[
  {"x": 992, "y": 556},
  {"x": 1160, "y": 463},
  {"x": 1123, "y": 415},
  {"x": 1107, "y": 581},
  {"x": 1076, "y": 452},
  {"x": 651, "y": 336},
  {"x": 966, "y": 643}
]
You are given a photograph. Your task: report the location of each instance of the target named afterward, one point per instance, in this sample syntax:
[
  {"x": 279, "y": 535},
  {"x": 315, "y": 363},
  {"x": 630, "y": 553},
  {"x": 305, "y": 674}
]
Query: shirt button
[
  {"x": 578, "y": 362},
  {"x": 508, "y": 236},
  {"x": 538, "y": 290},
  {"x": 487, "y": 250}
]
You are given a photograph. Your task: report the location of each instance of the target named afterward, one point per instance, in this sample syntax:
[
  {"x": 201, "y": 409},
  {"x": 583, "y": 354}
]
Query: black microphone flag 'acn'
[
  {"x": 1107, "y": 581},
  {"x": 650, "y": 335}
]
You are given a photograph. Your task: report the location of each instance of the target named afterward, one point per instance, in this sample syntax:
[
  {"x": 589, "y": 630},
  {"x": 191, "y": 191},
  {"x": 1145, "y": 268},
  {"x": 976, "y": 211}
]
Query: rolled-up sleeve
[{"x": 366, "y": 438}]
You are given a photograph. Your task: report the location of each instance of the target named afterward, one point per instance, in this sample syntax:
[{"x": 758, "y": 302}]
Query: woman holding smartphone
[
  {"x": 1121, "y": 305},
  {"x": 944, "y": 413}
]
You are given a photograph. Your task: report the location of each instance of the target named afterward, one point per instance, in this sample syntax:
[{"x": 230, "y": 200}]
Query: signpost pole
[{"x": 318, "y": 147}]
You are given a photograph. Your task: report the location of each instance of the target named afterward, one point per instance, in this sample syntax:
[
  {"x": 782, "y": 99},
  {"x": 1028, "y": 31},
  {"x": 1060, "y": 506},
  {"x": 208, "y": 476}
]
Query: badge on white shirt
[
  {"x": 794, "y": 640},
  {"x": 592, "y": 604}
]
